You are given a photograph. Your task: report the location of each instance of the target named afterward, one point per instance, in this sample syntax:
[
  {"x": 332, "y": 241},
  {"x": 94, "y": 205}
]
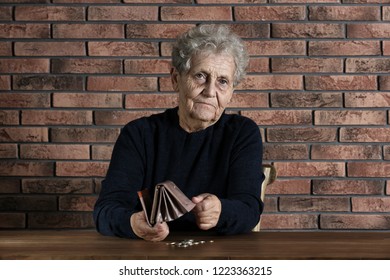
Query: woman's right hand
[{"x": 142, "y": 229}]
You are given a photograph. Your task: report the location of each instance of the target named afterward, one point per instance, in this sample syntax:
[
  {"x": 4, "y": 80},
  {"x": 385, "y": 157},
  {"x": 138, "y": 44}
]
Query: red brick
[
  {"x": 28, "y": 65},
  {"x": 9, "y": 185},
  {"x": 49, "y": 82},
  {"x": 386, "y": 13},
  {"x": 49, "y": 48},
  {"x": 24, "y": 100},
  {"x": 344, "y": 48},
  {"x": 24, "y": 134},
  {"x": 230, "y": 1},
  {"x": 386, "y": 47},
  {"x": 139, "y": 101},
  {"x": 308, "y": 65},
  {"x": 348, "y": 221},
  {"x": 84, "y": 135},
  {"x": 342, "y": 82},
  {"x": 344, "y": 152},
  {"x": 121, "y": 83},
  {"x": 119, "y": 117},
  {"x": 44, "y": 117},
  {"x": 280, "y": 117},
  {"x": 94, "y": 1},
  {"x": 368, "y": 65},
  {"x": 384, "y": 83},
  {"x": 368, "y": 30},
  {"x": 270, "y": 205},
  {"x": 153, "y": 31},
  {"x": 369, "y": 134},
  {"x": 307, "y": 30},
  {"x": 12, "y": 220},
  {"x": 59, "y": 220},
  {"x": 77, "y": 203},
  {"x": 279, "y": 47},
  {"x": 122, "y": 13},
  {"x": 386, "y": 152},
  {"x": 81, "y": 169},
  {"x": 165, "y": 84},
  {"x": 251, "y": 30},
  {"x": 314, "y": 204},
  {"x": 306, "y": 99},
  {"x": 8, "y": 151},
  {"x": 310, "y": 169},
  {"x": 15, "y": 168},
  {"x": 38, "y": 31},
  {"x": 367, "y": 99},
  {"x": 110, "y": 66},
  {"x": 102, "y": 152},
  {"x": 166, "y": 48},
  {"x": 368, "y": 169},
  {"x": 5, "y": 82},
  {"x": 57, "y": 186},
  {"x": 274, "y": 82},
  {"x": 148, "y": 66},
  {"x": 258, "y": 65},
  {"x": 347, "y": 187},
  {"x": 88, "y": 31},
  {"x": 49, "y": 13},
  {"x": 294, "y": 186},
  {"x": 371, "y": 204},
  {"x": 87, "y": 100},
  {"x": 122, "y": 49},
  {"x": 301, "y": 134},
  {"x": 6, "y": 13},
  {"x": 5, "y": 48},
  {"x": 366, "y": 1},
  {"x": 269, "y": 13},
  {"x": 306, "y": 1},
  {"x": 289, "y": 221},
  {"x": 344, "y": 13},
  {"x": 9, "y": 117},
  {"x": 28, "y": 203},
  {"x": 350, "y": 117},
  {"x": 249, "y": 100},
  {"x": 209, "y": 13},
  {"x": 51, "y": 151},
  {"x": 284, "y": 152}
]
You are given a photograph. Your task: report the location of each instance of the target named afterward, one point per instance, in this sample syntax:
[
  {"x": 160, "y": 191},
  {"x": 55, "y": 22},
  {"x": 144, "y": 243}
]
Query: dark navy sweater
[{"x": 224, "y": 159}]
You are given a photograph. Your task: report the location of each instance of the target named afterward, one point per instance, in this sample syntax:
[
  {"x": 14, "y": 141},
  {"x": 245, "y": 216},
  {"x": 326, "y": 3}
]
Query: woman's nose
[{"x": 210, "y": 89}]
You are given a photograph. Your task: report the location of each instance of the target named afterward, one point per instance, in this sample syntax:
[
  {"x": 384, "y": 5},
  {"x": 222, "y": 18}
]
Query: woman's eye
[
  {"x": 200, "y": 76},
  {"x": 223, "y": 82}
]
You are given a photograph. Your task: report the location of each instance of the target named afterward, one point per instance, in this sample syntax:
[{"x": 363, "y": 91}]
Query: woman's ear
[{"x": 174, "y": 79}]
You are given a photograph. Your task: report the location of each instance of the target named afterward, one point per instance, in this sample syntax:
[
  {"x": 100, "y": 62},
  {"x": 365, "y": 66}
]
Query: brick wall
[{"x": 73, "y": 72}]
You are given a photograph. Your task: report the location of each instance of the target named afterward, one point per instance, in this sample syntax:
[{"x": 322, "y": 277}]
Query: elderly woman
[{"x": 213, "y": 157}]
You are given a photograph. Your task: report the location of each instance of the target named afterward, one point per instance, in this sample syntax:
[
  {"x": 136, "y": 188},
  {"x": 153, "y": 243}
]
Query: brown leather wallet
[{"x": 169, "y": 203}]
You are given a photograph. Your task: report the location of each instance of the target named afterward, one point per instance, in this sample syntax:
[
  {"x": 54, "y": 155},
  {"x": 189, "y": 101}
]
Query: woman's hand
[
  {"x": 207, "y": 210},
  {"x": 142, "y": 229}
]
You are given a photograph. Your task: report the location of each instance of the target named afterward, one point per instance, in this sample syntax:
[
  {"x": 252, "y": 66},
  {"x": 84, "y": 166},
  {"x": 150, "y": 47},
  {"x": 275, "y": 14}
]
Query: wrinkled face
[{"x": 206, "y": 89}]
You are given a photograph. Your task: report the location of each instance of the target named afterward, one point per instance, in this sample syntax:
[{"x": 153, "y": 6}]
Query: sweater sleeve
[
  {"x": 242, "y": 207},
  {"x": 118, "y": 197}
]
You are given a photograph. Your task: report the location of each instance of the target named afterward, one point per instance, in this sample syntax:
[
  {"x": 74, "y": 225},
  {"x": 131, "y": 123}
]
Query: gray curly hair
[{"x": 205, "y": 38}]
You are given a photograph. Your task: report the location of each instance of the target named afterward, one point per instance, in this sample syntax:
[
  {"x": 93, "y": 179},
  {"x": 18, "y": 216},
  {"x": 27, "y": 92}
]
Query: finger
[{"x": 199, "y": 198}]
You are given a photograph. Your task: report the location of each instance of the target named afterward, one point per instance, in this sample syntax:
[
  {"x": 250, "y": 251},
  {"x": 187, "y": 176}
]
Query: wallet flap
[{"x": 169, "y": 203}]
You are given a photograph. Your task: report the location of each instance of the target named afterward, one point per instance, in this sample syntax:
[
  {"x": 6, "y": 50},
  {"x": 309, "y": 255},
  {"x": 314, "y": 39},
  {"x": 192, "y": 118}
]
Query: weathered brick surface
[
  {"x": 344, "y": 152},
  {"x": 348, "y": 187},
  {"x": 357, "y": 221},
  {"x": 318, "y": 87}
]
